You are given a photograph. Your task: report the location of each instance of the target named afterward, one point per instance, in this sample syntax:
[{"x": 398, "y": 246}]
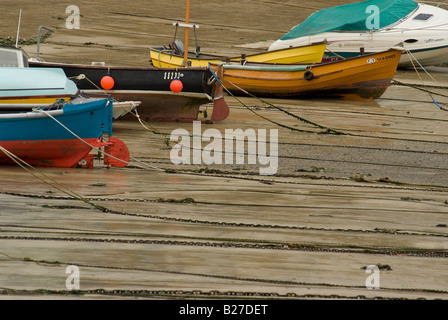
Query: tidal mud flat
[{"x": 375, "y": 195}]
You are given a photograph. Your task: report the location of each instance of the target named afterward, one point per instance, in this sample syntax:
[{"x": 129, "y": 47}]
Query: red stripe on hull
[{"x": 49, "y": 153}]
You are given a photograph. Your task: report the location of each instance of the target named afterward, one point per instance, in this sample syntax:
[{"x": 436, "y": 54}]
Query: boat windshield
[
  {"x": 12, "y": 57},
  {"x": 25, "y": 59}
]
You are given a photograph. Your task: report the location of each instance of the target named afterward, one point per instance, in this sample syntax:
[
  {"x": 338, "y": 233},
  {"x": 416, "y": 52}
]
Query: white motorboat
[{"x": 376, "y": 25}]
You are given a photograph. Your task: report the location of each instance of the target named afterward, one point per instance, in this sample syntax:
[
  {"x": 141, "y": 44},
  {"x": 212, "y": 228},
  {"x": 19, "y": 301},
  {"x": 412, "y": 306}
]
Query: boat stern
[{"x": 220, "y": 108}]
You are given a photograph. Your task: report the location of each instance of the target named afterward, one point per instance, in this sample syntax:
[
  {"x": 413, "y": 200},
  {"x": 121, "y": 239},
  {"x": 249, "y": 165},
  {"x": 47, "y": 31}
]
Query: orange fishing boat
[{"x": 365, "y": 77}]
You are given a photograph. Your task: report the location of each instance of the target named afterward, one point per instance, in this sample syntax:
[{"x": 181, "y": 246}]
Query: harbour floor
[{"x": 357, "y": 215}]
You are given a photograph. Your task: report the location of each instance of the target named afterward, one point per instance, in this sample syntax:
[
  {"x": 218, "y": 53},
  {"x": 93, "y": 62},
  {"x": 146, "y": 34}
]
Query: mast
[
  {"x": 18, "y": 29},
  {"x": 187, "y": 21}
]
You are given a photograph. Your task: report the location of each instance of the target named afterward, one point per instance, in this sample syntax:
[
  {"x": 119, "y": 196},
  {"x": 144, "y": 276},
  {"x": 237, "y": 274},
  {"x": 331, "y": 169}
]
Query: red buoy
[
  {"x": 176, "y": 86},
  {"x": 107, "y": 82}
]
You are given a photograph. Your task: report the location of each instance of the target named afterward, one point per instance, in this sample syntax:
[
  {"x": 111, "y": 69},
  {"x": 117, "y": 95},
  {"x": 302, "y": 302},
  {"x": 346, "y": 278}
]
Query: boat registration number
[
  {"x": 171, "y": 75},
  {"x": 383, "y": 58}
]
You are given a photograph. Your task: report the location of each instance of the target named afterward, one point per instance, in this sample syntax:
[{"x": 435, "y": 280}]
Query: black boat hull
[{"x": 151, "y": 86}]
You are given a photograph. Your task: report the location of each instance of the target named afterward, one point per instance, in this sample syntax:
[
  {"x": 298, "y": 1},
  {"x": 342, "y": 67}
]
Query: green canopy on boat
[{"x": 352, "y": 17}]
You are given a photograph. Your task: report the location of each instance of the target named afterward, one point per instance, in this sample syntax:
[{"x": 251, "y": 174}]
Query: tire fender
[{"x": 308, "y": 75}]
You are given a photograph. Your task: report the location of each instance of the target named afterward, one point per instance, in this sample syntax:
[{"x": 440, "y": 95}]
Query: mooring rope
[
  {"x": 328, "y": 130},
  {"x": 421, "y": 79},
  {"x": 94, "y": 147},
  {"x": 152, "y": 129},
  {"x": 136, "y": 114},
  {"x": 155, "y": 131},
  {"x": 46, "y": 179},
  {"x": 83, "y": 76}
]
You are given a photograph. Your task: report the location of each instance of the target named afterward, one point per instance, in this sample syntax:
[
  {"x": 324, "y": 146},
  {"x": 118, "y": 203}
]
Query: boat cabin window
[
  {"x": 12, "y": 57},
  {"x": 423, "y": 16},
  {"x": 9, "y": 59}
]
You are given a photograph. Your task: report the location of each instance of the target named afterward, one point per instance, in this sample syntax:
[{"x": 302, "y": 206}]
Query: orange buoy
[
  {"x": 107, "y": 82},
  {"x": 176, "y": 86}
]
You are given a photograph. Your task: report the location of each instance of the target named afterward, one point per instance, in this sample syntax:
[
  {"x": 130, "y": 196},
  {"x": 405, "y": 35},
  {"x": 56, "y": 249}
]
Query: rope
[
  {"x": 152, "y": 129},
  {"x": 27, "y": 167},
  {"x": 196, "y": 40},
  {"x": 337, "y": 55},
  {"x": 46, "y": 179},
  {"x": 83, "y": 76},
  {"x": 328, "y": 130},
  {"x": 417, "y": 87},
  {"x": 93, "y": 147},
  {"x": 429, "y": 92},
  {"x": 172, "y": 51}
]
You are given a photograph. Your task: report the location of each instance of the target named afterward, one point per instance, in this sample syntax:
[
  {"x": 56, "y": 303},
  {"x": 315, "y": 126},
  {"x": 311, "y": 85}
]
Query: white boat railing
[
  {"x": 434, "y": 3},
  {"x": 39, "y": 35}
]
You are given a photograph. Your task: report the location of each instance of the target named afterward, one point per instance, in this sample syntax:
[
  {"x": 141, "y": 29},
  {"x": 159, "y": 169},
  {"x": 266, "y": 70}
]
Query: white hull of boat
[
  {"x": 426, "y": 40},
  {"x": 123, "y": 107}
]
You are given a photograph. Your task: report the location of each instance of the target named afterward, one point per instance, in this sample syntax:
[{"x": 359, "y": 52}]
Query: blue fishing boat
[{"x": 61, "y": 135}]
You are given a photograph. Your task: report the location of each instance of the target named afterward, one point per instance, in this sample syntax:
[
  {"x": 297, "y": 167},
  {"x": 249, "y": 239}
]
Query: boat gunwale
[
  {"x": 107, "y": 67},
  {"x": 55, "y": 96},
  {"x": 68, "y": 108},
  {"x": 33, "y": 114},
  {"x": 235, "y": 58},
  {"x": 273, "y": 66}
]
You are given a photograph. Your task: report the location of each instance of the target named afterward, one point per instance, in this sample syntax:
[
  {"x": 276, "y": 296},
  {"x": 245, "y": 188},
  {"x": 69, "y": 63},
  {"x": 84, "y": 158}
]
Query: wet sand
[{"x": 339, "y": 203}]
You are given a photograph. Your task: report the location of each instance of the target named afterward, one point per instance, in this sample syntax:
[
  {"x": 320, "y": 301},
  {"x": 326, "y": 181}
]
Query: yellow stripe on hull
[
  {"x": 297, "y": 55},
  {"x": 32, "y": 100}
]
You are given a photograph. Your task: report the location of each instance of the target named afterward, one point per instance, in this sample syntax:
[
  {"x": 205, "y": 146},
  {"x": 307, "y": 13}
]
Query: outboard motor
[{"x": 178, "y": 47}]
